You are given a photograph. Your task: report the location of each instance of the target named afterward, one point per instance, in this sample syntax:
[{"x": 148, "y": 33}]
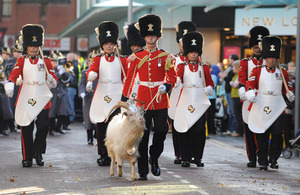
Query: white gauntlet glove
[
  {"x": 51, "y": 81},
  {"x": 19, "y": 81},
  {"x": 92, "y": 76},
  {"x": 89, "y": 86},
  {"x": 9, "y": 89},
  {"x": 162, "y": 89},
  {"x": 290, "y": 96},
  {"x": 208, "y": 90},
  {"x": 82, "y": 95},
  {"x": 242, "y": 92},
  {"x": 250, "y": 95}
]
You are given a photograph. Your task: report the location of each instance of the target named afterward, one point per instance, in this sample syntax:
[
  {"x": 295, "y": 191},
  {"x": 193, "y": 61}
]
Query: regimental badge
[
  {"x": 108, "y": 33},
  {"x": 185, "y": 31},
  {"x": 134, "y": 95},
  {"x": 32, "y": 102},
  {"x": 191, "y": 108},
  {"x": 34, "y": 39},
  {"x": 150, "y": 27},
  {"x": 41, "y": 67},
  {"x": 278, "y": 76},
  {"x": 259, "y": 37},
  {"x": 107, "y": 99},
  {"x": 194, "y": 42},
  {"x": 272, "y": 47},
  {"x": 267, "y": 109}
]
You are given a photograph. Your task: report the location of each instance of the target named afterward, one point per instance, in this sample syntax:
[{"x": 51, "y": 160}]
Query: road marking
[
  {"x": 170, "y": 172},
  {"x": 193, "y": 186},
  {"x": 184, "y": 181},
  {"x": 177, "y": 176}
]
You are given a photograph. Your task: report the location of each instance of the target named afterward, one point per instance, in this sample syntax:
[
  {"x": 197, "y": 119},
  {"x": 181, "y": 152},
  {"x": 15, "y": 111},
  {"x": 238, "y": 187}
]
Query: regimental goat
[{"x": 124, "y": 133}]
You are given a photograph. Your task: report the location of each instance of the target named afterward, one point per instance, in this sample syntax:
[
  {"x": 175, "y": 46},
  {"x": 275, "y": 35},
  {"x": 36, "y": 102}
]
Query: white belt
[
  {"x": 151, "y": 84},
  {"x": 191, "y": 85},
  {"x": 35, "y": 82},
  {"x": 273, "y": 93},
  {"x": 109, "y": 81}
]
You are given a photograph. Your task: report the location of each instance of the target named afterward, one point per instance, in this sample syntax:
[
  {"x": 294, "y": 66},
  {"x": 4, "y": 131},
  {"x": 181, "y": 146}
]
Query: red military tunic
[
  {"x": 154, "y": 69},
  {"x": 246, "y": 66},
  {"x": 18, "y": 70}
]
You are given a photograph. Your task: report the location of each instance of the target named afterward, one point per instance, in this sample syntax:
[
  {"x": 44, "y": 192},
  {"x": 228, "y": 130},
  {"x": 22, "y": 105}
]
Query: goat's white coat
[{"x": 123, "y": 135}]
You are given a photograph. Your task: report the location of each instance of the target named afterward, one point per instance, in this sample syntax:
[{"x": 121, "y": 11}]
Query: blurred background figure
[{"x": 87, "y": 100}]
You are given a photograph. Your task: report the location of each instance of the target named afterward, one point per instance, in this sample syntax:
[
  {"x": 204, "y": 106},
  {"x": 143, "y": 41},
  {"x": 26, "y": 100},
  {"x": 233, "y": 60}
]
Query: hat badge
[
  {"x": 34, "y": 39},
  {"x": 272, "y": 47},
  {"x": 194, "y": 42},
  {"x": 259, "y": 37},
  {"x": 150, "y": 27},
  {"x": 185, "y": 31},
  {"x": 108, "y": 33}
]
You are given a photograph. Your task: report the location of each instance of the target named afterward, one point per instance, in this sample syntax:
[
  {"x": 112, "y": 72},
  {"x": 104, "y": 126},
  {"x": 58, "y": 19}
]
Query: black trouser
[
  {"x": 101, "y": 129},
  {"x": 192, "y": 142},
  {"x": 275, "y": 148},
  {"x": 211, "y": 117},
  {"x": 237, "y": 112},
  {"x": 38, "y": 145},
  {"x": 160, "y": 129},
  {"x": 175, "y": 139},
  {"x": 250, "y": 143}
]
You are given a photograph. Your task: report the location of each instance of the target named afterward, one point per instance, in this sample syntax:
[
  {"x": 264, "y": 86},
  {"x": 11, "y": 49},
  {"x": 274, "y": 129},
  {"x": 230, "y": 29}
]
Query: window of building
[{"x": 6, "y": 7}]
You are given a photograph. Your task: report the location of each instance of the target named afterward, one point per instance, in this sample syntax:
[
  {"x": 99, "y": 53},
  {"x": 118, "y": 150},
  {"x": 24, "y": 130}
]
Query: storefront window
[{"x": 6, "y": 8}]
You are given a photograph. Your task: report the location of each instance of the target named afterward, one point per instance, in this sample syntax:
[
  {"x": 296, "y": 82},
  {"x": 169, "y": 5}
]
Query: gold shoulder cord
[{"x": 168, "y": 64}]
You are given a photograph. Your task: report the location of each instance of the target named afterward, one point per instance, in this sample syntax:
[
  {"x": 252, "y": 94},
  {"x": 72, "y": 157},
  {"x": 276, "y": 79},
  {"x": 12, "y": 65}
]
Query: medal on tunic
[
  {"x": 159, "y": 62},
  {"x": 278, "y": 76},
  {"x": 41, "y": 67}
]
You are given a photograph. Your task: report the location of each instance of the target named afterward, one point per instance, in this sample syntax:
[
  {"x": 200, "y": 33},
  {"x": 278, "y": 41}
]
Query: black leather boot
[
  {"x": 39, "y": 159},
  {"x": 177, "y": 160},
  {"x": 27, "y": 163},
  {"x": 154, "y": 167},
  {"x": 104, "y": 160}
]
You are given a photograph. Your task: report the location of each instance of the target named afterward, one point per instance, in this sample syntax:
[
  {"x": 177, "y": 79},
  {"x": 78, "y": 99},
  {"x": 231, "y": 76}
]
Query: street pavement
[{"x": 71, "y": 168}]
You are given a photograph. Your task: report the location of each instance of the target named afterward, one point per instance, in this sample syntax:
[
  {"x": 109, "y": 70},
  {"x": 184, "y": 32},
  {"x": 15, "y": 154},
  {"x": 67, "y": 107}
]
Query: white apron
[
  {"x": 269, "y": 103},
  {"x": 193, "y": 101},
  {"x": 34, "y": 95},
  {"x": 175, "y": 93},
  {"x": 108, "y": 91},
  {"x": 245, "y": 111}
]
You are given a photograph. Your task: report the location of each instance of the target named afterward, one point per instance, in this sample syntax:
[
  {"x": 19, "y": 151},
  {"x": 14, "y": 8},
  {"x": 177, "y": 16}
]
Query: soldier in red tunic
[
  {"x": 181, "y": 29},
  {"x": 35, "y": 75},
  {"x": 190, "y": 115},
  {"x": 110, "y": 72},
  {"x": 157, "y": 76},
  {"x": 271, "y": 84},
  {"x": 246, "y": 65}
]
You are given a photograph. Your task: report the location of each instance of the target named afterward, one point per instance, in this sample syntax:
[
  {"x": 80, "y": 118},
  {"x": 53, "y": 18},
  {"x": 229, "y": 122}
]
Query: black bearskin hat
[
  {"x": 32, "y": 35},
  {"x": 256, "y": 34},
  {"x": 192, "y": 41},
  {"x": 6, "y": 50},
  {"x": 133, "y": 36},
  {"x": 124, "y": 48},
  {"x": 271, "y": 47},
  {"x": 184, "y": 27},
  {"x": 107, "y": 32},
  {"x": 150, "y": 24}
]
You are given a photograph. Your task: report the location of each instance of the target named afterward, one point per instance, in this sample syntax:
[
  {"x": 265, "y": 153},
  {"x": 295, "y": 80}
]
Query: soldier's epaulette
[
  {"x": 184, "y": 63},
  {"x": 204, "y": 64},
  {"x": 139, "y": 51},
  {"x": 100, "y": 54},
  {"x": 124, "y": 56},
  {"x": 246, "y": 59},
  {"x": 23, "y": 56}
]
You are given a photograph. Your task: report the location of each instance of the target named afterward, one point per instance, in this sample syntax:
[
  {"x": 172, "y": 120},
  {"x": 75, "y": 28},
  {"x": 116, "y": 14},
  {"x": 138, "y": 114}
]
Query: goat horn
[{"x": 118, "y": 105}]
